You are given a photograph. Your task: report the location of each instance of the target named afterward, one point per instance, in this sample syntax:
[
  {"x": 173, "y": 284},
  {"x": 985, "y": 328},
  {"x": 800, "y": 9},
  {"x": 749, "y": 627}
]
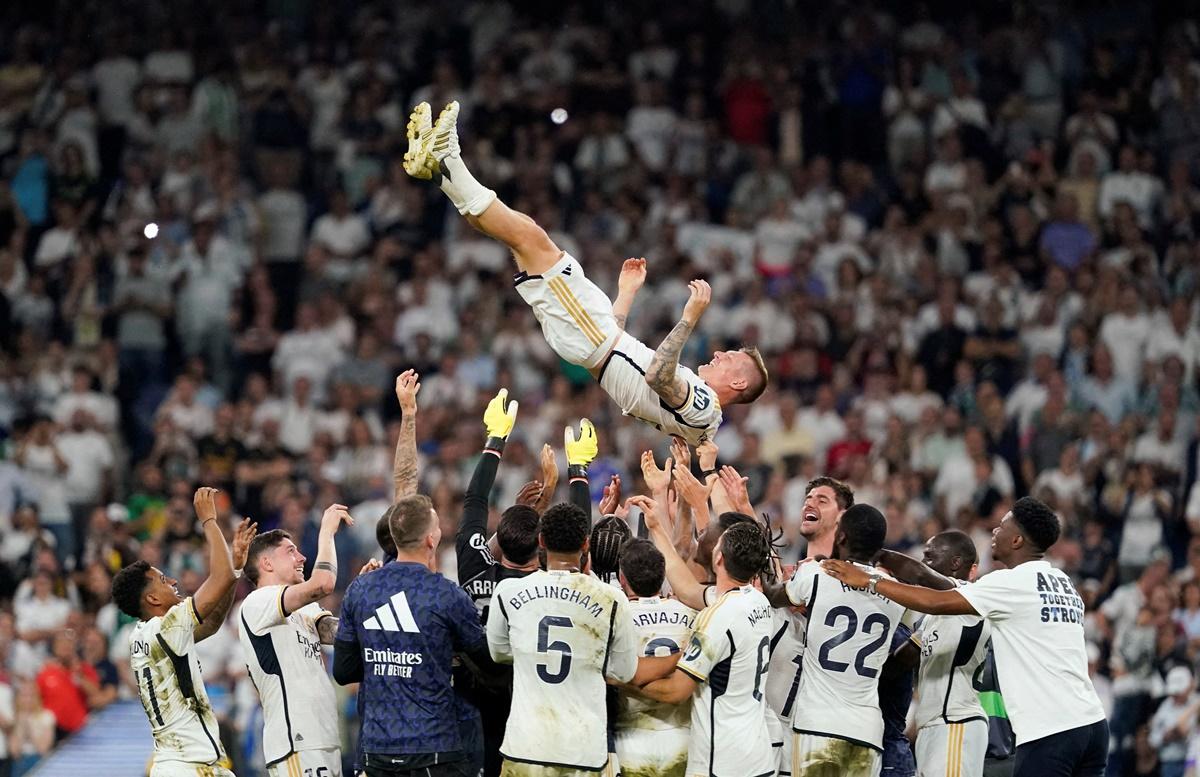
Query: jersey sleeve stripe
[
  {"x": 693, "y": 674},
  {"x": 192, "y": 609},
  {"x": 283, "y": 613}
]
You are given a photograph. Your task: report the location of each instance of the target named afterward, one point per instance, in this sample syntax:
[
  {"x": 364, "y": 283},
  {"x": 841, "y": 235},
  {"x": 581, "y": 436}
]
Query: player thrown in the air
[{"x": 579, "y": 322}]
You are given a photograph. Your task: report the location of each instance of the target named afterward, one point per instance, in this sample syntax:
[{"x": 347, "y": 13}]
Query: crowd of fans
[{"x": 966, "y": 244}]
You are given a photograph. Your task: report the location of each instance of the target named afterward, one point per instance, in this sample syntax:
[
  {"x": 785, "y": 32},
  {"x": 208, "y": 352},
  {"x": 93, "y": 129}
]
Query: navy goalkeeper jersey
[{"x": 407, "y": 623}]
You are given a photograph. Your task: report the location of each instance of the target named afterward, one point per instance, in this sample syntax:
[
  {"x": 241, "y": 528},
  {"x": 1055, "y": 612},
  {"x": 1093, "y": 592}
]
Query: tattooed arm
[
  {"x": 327, "y": 627},
  {"x": 660, "y": 374},
  {"x": 404, "y": 468}
]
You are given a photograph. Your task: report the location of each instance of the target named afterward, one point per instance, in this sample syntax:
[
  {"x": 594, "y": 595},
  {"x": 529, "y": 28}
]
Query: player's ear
[{"x": 739, "y": 383}]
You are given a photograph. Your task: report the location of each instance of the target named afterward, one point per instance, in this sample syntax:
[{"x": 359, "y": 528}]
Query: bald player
[{"x": 952, "y": 731}]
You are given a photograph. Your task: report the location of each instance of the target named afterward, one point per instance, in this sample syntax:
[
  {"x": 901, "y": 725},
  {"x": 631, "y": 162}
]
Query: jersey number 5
[
  {"x": 558, "y": 646},
  {"x": 860, "y": 660}
]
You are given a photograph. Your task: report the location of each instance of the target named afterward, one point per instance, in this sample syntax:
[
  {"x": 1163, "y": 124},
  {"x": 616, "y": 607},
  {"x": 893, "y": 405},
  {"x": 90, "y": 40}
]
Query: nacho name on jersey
[
  {"x": 571, "y": 595},
  {"x": 1061, "y": 602},
  {"x": 391, "y": 663}
]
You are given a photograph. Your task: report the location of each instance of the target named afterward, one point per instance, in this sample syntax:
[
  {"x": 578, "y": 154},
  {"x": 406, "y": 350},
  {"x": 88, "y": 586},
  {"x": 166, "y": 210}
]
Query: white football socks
[{"x": 468, "y": 195}]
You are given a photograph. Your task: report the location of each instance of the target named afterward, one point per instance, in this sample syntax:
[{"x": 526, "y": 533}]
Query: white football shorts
[
  {"x": 576, "y": 317},
  {"x": 952, "y": 749}
]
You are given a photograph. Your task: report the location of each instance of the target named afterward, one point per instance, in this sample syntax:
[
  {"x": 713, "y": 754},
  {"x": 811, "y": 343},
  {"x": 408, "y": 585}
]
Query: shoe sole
[{"x": 418, "y": 159}]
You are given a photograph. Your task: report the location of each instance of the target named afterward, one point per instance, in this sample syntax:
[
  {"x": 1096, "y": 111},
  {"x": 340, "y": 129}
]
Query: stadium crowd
[{"x": 965, "y": 242}]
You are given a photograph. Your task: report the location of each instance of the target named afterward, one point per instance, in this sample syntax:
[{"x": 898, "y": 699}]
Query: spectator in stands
[
  {"x": 66, "y": 684},
  {"x": 33, "y": 730}
]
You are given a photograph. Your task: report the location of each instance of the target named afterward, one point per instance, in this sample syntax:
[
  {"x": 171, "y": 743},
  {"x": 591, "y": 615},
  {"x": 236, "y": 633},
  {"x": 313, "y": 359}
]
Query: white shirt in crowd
[
  {"x": 1126, "y": 337},
  {"x": 89, "y": 457}
]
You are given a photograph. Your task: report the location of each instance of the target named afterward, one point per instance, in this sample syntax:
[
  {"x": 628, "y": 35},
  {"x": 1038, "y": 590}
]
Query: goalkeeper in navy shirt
[{"x": 400, "y": 629}]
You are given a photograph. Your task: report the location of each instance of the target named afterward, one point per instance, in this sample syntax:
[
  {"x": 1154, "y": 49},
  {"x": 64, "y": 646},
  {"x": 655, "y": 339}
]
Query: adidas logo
[
  {"x": 393, "y": 616},
  {"x": 299, "y": 738}
]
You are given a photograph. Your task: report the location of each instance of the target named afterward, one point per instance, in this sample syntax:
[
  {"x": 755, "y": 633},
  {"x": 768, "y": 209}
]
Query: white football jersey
[
  {"x": 163, "y": 658},
  {"x": 664, "y": 627},
  {"x": 623, "y": 376},
  {"x": 283, "y": 654},
  {"x": 728, "y": 656},
  {"x": 847, "y": 642},
  {"x": 564, "y": 633},
  {"x": 787, "y": 656},
  {"x": 953, "y": 647}
]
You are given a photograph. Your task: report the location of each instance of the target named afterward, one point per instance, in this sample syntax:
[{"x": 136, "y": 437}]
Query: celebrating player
[
  {"x": 165, "y": 666},
  {"x": 653, "y": 737},
  {"x": 836, "y": 720},
  {"x": 724, "y": 670},
  {"x": 282, "y": 630},
  {"x": 1037, "y": 634},
  {"x": 579, "y": 322},
  {"x": 952, "y": 731},
  {"x": 565, "y": 632}
]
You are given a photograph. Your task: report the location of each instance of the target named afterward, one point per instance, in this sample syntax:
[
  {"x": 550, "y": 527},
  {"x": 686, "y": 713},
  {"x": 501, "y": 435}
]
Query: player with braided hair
[{"x": 609, "y": 535}]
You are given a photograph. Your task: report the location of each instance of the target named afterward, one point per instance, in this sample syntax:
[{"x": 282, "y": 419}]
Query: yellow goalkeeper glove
[
  {"x": 498, "y": 419},
  {"x": 580, "y": 452}
]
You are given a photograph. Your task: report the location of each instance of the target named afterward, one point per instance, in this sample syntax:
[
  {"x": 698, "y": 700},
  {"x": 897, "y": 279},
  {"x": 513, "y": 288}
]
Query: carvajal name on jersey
[
  {"x": 661, "y": 618},
  {"x": 391, "y": 663},
  {"x": 572, "y": 595}
]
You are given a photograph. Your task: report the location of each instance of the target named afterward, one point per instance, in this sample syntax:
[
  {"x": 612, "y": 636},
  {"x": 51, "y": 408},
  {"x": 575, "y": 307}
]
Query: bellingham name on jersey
[{"x": 572, "y": 595}]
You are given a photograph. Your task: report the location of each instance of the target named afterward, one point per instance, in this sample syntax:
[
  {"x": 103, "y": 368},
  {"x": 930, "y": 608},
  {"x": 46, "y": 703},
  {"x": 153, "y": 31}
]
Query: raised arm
[
  {"x": 242, "y": 535},
  {"x": 324, "y": 575},
  {"x": 549, "y": 482},
  {"x": 471, "y": 540},
  {"x": 660, "y": 374},
  {"x": 684, "y": 584},
  {"x": 404, "y": 466},
  {"x": 633, "y": 275},
  {"x": 908, "y": 570},
  {"x": 581, "y": 452},
  {"x": 220, "y": 580},
  {"x": 914, "y": 597}
]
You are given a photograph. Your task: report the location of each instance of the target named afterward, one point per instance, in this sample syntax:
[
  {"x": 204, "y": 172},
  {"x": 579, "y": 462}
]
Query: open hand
[
  {"x": 242, "y": 536},
  {"x": 407, "y": 386},
  {"x": 205, "y": 502},
  {"x": 657, "y": 479},
  {"x": 334, "y": 516},
  {"x": 633, "y": 275},
  {"x": 701, "y": 295}
]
